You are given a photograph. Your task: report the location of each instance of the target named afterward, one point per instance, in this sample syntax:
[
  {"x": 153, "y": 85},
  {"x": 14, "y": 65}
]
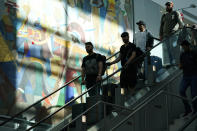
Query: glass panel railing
[
  {"x": 140, "y": 93},
  {"x": 150, "y": 114},
  {"x": 94, "y": 117},
  {"x": 76, "y": 107},
  {"x": 192, "y": 124},
  {"x": 20, "y": 124},
  {"x": 39, "y": 110}
]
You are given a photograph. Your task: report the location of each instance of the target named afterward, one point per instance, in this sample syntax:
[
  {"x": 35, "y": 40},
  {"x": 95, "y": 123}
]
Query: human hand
[
  {"x": 108, "y": 64},
  {"x": 99, "y": 78},
  {"x": 83, "y": 82},
  {"x": 126, "y": 65},
  {"x": 161, "y": 38},
  {"x": 148, "y": 48}
]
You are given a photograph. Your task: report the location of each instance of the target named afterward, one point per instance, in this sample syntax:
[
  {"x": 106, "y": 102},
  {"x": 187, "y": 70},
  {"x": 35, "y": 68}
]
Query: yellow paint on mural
[
  {"x": 110, "y": 34},
  {"x": 96, "y": 23},
  {"x": 7, "y": 20},
  {"x": 5, "y": 53},
  {"x": 56, "y": 64}
]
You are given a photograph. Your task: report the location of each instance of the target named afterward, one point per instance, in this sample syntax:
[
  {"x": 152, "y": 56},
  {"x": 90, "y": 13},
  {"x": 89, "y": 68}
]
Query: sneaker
[
  {"x": 193, "y": 113},
  {"x": 186, "y": 114}
]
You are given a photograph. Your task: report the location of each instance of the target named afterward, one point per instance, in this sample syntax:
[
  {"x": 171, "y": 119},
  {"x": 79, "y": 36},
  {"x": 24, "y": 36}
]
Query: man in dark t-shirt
[
  {"x": 91, "y": 69},
  {"x": 128, "y": 76},
  {"x": 188, "y": 63}
]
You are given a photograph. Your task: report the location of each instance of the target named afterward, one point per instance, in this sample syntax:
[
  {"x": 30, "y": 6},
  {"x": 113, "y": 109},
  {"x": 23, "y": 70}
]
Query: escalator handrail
[
  {"x": 146, "y": 101},
  {"x": 21, "y": 112},
  {"x": 68, "y": 103},
  {"x": 194, "y": 117},
  {"x": 99, "y": 102},
  {"x": 20, "y": 120},
  {"x": 18, "y": 114}
]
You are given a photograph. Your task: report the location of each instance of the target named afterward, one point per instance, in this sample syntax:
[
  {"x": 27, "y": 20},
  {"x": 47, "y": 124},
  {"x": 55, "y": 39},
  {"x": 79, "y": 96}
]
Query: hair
[
  {"x": 124, "y": 34},
  {"x": 169, "y": 3},
  {"x": 185, "y": 42},
  {"x": 89, "y": 43}
]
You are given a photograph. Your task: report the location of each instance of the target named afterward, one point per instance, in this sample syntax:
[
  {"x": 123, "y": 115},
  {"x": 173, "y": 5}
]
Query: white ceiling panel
[{"x": 189, "y": 13}]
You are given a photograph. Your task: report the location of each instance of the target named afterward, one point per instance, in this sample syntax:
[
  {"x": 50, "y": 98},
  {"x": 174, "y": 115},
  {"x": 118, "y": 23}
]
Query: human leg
[
  {"x": 194, "y": 92},
  {"x": 182, "y": 90},
  {"x": 174, "y": 49},
  {"x": 90, "y": 82}
]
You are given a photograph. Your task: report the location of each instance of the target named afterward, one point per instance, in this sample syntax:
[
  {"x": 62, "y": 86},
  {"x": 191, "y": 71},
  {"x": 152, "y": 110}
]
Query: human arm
[
  {"x": 161, "y": 28},
  {"x": 133, "y": 55},
  {"x": 180, "y": 21},
  {"x": 181, "y": 61},
  {"x": 150, "y": 41},
  {"x": 115, "y": 61},
  {"x": 83, "y": 76},
  {"x": 100, "y": 68}
]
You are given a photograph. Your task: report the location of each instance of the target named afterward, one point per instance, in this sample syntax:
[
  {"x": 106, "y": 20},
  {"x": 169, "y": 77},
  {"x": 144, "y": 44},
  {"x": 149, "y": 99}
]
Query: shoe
[
  {"x": 146, "y": 82},
  {"x": 186, "y": 113},
  {"x": 193, "y": 113}
]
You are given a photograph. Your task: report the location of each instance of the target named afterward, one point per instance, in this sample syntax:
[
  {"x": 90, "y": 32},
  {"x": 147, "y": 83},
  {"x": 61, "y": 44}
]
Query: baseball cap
[
  {"x": 169, "y": 3},
  {"x": 141, "y": 23}
]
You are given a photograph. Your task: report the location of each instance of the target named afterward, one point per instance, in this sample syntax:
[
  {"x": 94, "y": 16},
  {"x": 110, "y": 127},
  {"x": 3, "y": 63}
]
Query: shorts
[{"x": 128, "y": 78}]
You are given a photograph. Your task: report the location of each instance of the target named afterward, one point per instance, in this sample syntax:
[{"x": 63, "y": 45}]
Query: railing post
[
  {"x": 167, "y": 119},
  {"x": 104, "y": 116}
]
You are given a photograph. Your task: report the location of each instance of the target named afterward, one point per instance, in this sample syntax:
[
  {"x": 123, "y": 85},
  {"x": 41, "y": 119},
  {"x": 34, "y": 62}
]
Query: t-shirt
[
  {"x": 126, "y": 52},
  {"x": 90, "y": 63},
  {"x": 140, "y": 40},
  {"x": 188, "y": 61},
  {"x": 170, "y": 22}
]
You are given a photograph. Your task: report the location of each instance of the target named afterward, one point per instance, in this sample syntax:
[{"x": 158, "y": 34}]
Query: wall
[{"x": 42, "y": 45}]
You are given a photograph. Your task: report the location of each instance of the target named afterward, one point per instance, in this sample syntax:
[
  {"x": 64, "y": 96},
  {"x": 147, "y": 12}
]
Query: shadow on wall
[{"x": 42, "y": 46}]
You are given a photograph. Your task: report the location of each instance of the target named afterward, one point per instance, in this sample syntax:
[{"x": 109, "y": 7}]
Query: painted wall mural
[{"x": 42, "y": 46}]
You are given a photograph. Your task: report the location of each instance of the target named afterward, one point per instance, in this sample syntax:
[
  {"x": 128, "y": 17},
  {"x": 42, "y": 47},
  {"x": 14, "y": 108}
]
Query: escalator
[{"x": 144, "y": 92}]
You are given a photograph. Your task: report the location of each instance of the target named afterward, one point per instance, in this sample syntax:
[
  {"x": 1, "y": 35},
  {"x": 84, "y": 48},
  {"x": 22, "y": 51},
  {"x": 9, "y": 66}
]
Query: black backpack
[
  {"x": 104, "y": 63},
  {"x": 139, "y": 56}
]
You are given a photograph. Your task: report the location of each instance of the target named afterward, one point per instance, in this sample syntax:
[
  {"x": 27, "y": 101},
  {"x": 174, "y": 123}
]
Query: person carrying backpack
[
  {"x": 92, "y": 69},
  {"x": 128, "y": 76},
  {"x": 144, "y": 41}
]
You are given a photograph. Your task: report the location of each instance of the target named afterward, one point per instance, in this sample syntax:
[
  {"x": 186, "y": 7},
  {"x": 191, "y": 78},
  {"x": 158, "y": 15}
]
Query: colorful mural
[{"x": 42, "y": 45}]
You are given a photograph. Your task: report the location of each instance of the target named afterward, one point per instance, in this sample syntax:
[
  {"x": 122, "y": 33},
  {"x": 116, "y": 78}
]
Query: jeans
[
  {"x": 147, "y": 61},
  {"x": 171, "y": 51},
  {"x": 185, "y": 83}
]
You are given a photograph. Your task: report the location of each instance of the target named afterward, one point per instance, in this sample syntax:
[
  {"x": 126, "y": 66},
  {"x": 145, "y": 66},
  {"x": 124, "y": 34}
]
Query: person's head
[
  {"x": 194, "y": 26},
  {"x": 125, "y": 37},
  {"x": 89, "y": 47},
  {"x": 141, "y": 26},
  {"x": 185, "y": 45},
  {"x": 169, "y": 6}
]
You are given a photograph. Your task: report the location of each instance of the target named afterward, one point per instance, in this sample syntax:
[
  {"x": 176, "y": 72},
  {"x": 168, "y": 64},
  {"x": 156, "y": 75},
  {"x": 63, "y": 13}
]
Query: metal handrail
[
  {"x": 20, "y": 120},
  {"x": 135, "y": 60},
  {"x": 188, "y": 122},
  {"x": 99, "y": 102},
  {"x": 145, "y": 102},
  {"x": 178, "y": 96},
  {"x": 18, "y": 114},
  {"x": 68, "y": 103}
]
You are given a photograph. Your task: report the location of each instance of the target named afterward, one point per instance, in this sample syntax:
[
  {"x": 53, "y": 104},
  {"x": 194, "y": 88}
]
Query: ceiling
[{"x": 189, "y": 14}]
